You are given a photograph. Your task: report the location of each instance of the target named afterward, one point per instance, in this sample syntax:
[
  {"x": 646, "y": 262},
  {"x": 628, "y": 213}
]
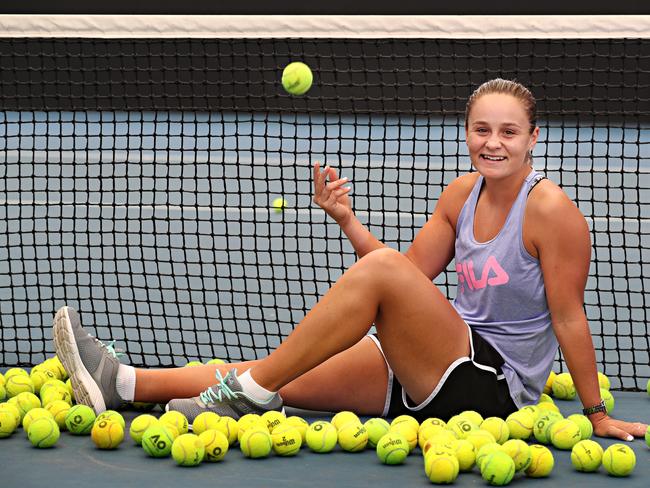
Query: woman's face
[{"x": 498, "y": 136}]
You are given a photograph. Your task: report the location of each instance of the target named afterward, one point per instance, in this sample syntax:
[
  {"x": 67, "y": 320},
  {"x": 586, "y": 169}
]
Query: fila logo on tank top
[{"x": 493, "y": 275}]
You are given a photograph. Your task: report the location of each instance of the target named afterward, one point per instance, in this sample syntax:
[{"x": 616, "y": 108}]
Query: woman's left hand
[{"x": 605, "y": 426}]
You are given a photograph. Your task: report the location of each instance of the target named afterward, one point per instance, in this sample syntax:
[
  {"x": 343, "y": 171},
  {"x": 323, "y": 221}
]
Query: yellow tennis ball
[
  {"x": 39, "y": 376},
  {"x": 478, "y": 438},
  {"x": 3, "y": 393},
  {"x": 107, "y": 434},
  {"x": 546, "y": 407},
  {"x": 519, "y": 451},
  {"x": 205, "y": 421},
  {"x": 353, "y": 437},
  {"x": 279, "y": 204},
  {"x": 647, "y": 436},
  {"x": 287, "y": 440},
  {"x": 497, "y": 427},
  {"x": 228, "y": 427},
  {"x": 466, "y": 454},
  {"x": 14, "y": 372},
  {"x": 461, "y": 426},
  {"x": 53, "y": 394},
  {"x": 603, "y": 381},
  {"x": 542, "y": 428},
  {"x": 25, "y": 401},
  {"x": 392, "y": 448},
  {"x": 80, "y": 419},
  {"x": 486, "y": 450},
  {"x": 8, "y": 423},
  {"x": 216, "y": 445},
  {"x": 548, "y": 387},
  {"x": 441, "y": 467},
  {"x": 583, "y": 423},
  {"x": 188, "y": 450},
  {"x": 297, "y": 78},
  {"x": 299, "y": 423},
  {"x": 377, "y": 428},
  {"x": 344, "y": 417},
  {"x": 142, "y": 406},
  {"x": 272, "y": 419},
  {"x": 498, "y": 468},
  {"x": 619, "y": 460},
  {"x": 157, "y": 440},
  {"x": 563, "y": 387},
  {"x": 34, "y": 414},
  {"x": 426, "y": 432},
  {"x": 113, "y": 416},
  {"x": 53, "y": 383},
  {"x": 321, "y": 436},
  {"x": 43, "y": 432},
  {"x": 13, "y": 410},
  {"x": 406, "y": 419},
  {"x": 545, "y": 398},
  {"x": 55, "y": 365},
  {"x": 139, "y": 426},
  {"x": 216, "y": 361},
  {"x": 565, "y": 434},
  {"x": 472, "y": 415},
  {"x": 586, "y": 456},
  {"x": 59, "y": 409},
  {"x": 256, "y": 442},
  {"x": 192, "y": 364},
  {"x": 176, "y": 419},
  {"x": 17, "y": 384},
  {"x": 409, "y": 433},
  {"x": 520, "y": 424},
  {"x": 249, "y": 421},
  {"x": 608, "y": 398},
  {"x": 444, "y": 437},
  {"x": 541, "y": 462}
]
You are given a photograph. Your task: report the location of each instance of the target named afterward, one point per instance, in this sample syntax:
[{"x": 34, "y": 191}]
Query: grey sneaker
[
  {"x": 226, "y": 398},
  {"x": 91, "y": 364}
]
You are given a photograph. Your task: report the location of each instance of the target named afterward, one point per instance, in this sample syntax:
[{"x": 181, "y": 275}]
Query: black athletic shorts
[{"x": 470, "y": 383}]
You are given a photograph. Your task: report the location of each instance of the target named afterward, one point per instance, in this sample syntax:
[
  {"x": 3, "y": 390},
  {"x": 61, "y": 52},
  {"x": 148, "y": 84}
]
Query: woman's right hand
[{"x": 331, "y": 195}]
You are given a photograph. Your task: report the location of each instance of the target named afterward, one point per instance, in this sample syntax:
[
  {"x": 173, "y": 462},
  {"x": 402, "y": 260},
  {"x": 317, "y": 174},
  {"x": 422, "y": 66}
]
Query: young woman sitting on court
[{"x": 522, "y": 253}]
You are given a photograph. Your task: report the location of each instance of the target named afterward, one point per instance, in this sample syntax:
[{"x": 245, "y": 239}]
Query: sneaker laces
[
  {"x": 110, "y": 348},
  {"x": 222, "y": 390}
]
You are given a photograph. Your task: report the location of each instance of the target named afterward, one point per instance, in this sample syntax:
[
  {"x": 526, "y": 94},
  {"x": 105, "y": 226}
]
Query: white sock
[
  {"x": 255, "y": 391},
  {"x": 125, "y": 382}
]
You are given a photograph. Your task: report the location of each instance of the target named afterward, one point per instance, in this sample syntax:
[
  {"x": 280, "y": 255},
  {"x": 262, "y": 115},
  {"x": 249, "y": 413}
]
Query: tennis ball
[
  {"x": 247, "y": 421},
  {"x": 377, "y": 428},
  {"x": 55, "y": 365},
  {"x": 299, "y": 423},
  {"x": 498, "y": 468},
  {"x": 321, "y": 436},
  {"x": 344, "y": 417},
  {"x": 485, "y": 451},
  {"x": 33, "y": 414},
  {"x": 647, "y": 436},
  {"x": 216, "y": 445},
  {"x": 619, "y": 460},
  {"x": 279, "y": 204},
  {"x": 565, "y": 434},
  {"x": 545, "y": 398},
  {"x": 188, "y": 450},
  {"x": 3, "y": 393},
  {"x": 216, "y": 361},
  {"x": 519, "y": 451},
  {"x": 603, "y": 381},
  {"x": 608, "y": 398},
  {"x": 542, "y": 428},
  {"x": 441, "y": 467},
  {"x": 54, "y": 383},
  {"x": 39, "y": 377},
  {"x": 13, "y": 410},
  {"x": 287, "y": 440},
  {"x": 409, "y": 433},
  {"x": 548, "y": 387},
  {"x": 472, "y": 415},
  {"x": 59, "y": 409},
  {"x": 548, "y": 407},
  {"x": 392, "y": 448},
  {"x": 520, "y": 424},
  {"x": 14, "y": 372},
  {"x": 192, "y": 364},
  {"x": 142, "y": 406},
  {"x": 563, "y": 387},
  {"x": 54, "y": 394},
  {"x": 113, "y": 416},
  {"x": 497, "y": 427},
  {"x": 272, "y": 419},
  {"x": 586, "y": 456},
  {"x": 444, "y": 437},
  {"x": 256, "y": 442},
  {"x": 461, "y": 427},
  {"x": 157, "y": 441},
  {"x": 353, "y": 437},
  {"x": 541, "y": 462},
  {"x": 466, "y": 455},
  {"x": 107, "y": 434},
  {"x": 8, "y": 423},
  {"x": 43, "y": 432},
  {"x": 647, "y": 387},
  {"x": 17, "y": 384},
  {"x": 297, "y": 78},
  {"x": 228, "y": 427},
  {"x": 406, "y": 419},
  {"x": 426, "y": 432},
  {"x": 139, "y": 425},
  {"x": 176, "y": 419},
  {"x": 478, "y": 438},
  {"x": 205, "y": 421},
  {"x": 583, "y": 423},
  {"x": 79, "y": 419},
  {"x": 25, "y": 401}
]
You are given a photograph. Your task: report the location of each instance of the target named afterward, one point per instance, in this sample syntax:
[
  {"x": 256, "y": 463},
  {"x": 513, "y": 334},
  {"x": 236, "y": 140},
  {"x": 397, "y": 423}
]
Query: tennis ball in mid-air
[
  {"x": 498, "y": 468},
  {"x": 377, "y": 428},
  {"x": 392, "y": 448},
  {"x": 43, "y": 432},
  {"x": 353, "y": 437},
  {"x": 8, "y": 423},
  {"x": 157, "y": 441},
  {"x": 586, "y": 456},
  {"x": 107, "y": 434},
  {"x": 279, "y": 204},
  {"x": 441, "y": 467},
  {"x": 297, "y": 78},
  {"x": 321, "y": 436},
  {"x": 216, "y": 445},
  {"x": 139, "y": 426},
  {"x": 619, "y": 460},
  {"x": 287, "y": 440},
  {"x": 79, "y": 419},
  {"x": 541, "y": 462},
  {"x": 256, "y": 442},
  {"x": 188, "y": 450},
  {"x": 565, "y": 434}
]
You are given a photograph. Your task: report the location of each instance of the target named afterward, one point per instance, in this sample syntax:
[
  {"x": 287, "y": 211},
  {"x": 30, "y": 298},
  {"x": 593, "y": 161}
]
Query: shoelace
[
  {"x": 222, "y": 391},
  {"x": 116, "y": 353}
]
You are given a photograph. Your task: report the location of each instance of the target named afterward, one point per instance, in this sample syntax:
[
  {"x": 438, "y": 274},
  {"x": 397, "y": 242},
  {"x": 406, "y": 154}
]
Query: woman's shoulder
[
  {"x": 462, "y": 186},
  {"x": 548, "y": 204}
]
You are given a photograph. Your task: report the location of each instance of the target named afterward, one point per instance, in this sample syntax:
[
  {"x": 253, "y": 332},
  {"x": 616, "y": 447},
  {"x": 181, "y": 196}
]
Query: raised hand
[{"x": 331, "y": 195}]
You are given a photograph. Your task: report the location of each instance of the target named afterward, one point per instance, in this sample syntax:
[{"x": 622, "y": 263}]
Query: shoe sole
[{"x": 84, "y": 386}]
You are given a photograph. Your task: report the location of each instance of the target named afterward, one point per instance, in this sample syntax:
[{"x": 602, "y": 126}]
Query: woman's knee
[{"x": 385, "y": 261}]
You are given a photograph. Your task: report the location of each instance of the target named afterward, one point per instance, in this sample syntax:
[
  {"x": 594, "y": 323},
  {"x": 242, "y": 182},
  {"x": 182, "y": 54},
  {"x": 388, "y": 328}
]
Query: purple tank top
[{"x": 501, "y": 296}]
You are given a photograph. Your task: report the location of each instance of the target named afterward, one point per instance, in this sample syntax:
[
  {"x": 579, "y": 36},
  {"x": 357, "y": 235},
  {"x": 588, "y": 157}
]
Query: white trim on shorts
[{"x": 389, "y": 389}]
